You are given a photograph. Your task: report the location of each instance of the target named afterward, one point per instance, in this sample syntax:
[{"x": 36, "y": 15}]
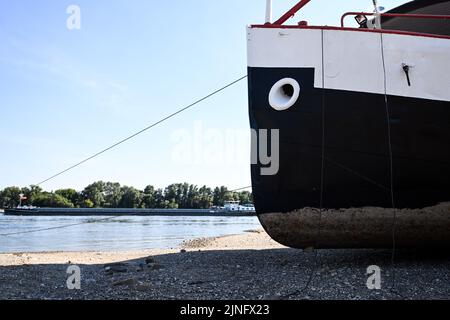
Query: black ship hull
[{"x": 335, "y": 151}]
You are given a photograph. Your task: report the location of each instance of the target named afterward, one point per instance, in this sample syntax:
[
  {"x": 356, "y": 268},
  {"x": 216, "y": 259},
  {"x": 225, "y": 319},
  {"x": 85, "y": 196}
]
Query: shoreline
[
  {"x": 249, "y": 239},
  {"x": 233, "y": 267}
]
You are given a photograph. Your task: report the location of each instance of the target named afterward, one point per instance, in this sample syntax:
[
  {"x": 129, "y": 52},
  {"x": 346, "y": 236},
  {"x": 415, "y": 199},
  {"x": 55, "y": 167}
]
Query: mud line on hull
[{"x": 360, "y": 227}]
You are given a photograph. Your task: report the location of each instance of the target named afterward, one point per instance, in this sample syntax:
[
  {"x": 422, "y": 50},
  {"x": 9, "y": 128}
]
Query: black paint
[{"x": 356, "y": 150}]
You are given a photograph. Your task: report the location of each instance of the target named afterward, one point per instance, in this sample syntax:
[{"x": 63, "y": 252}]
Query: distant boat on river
[{"x": 230, "y": 208}]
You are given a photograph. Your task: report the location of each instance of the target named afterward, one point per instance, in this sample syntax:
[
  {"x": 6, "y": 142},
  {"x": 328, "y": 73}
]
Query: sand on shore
[
  {"x": 251, "y": 239},
  {"x": 244, "y": 266}
]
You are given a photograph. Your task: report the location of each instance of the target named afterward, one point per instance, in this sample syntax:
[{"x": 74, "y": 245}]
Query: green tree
[
  {"x": 70, "y": 194},
  {"x": 205, "y": 198},
  {"x": 95, "y": 193},
  {"x": 231, "y": 196},
  {"x": 9, "y": 197},
  {"x": 159, "y": 199},
  {"x": 220, "y": 195},
  {"x": 169, "y": 204},
  {"x": 52, "y": 200},
  {"x": 131, "y": 198},
  {"x": 172, "y": 195},
  {"x": 245, "y": 197},
  {"x": 149, "y": 197},
  {"x": 87, "y": 204},
  {"x": 112, "y": 194},
  {"x": 31, "y": 193}
]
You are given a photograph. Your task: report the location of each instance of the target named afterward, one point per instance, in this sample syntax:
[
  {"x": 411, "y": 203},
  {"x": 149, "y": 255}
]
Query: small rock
[
  {"x": 154, "y": 266},
  {"x": 149, "y": 260},
  {"x": 139, "y": 269},
  {"x": 125, "y": 282},
  {"x": 142, "y": 287},
  {"x": 115, "y": 264},
  {"x": 182, "y": 251},
  {"x": 115, "y": 267}
]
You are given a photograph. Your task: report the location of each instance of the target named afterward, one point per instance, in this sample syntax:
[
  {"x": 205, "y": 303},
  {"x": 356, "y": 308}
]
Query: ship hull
[
  {"x": 364, "y": 158},
  {"x": 334, "y": 154}
]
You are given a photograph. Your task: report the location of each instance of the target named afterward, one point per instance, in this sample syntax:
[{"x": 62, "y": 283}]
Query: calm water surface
[{"x": 121, "y": 233}]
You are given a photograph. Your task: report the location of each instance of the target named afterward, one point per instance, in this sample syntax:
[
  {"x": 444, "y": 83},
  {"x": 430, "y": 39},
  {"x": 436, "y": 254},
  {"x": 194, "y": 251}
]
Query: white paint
[
  {"x": 353, "y": 59},
  {"x": 429, "y": 61},
  {"x": 272, "y": 48},
  {"x": 278, "y": 99},
  {"x": 268, "y": 11}
]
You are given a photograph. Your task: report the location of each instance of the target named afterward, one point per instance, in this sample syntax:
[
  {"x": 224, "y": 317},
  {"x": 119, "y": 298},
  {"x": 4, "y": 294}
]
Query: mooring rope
[
  {"x": 117, "y": 144},
  {"x": 142, "y": 130}
]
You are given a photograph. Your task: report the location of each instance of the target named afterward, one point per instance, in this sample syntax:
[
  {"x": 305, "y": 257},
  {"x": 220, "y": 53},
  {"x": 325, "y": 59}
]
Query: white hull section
[{"x": 356, "y": 60}]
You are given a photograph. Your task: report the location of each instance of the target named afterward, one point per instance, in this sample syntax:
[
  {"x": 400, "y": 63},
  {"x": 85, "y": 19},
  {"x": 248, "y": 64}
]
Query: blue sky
[{"x": 66, "y": 94}]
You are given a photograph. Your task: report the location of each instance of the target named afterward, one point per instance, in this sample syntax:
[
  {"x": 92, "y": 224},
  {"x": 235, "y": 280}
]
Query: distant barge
[{"x": 125, "y": 212}]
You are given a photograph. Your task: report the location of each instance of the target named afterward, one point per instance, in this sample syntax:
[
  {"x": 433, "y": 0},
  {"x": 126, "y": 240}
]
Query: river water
[{"x": 121, "y": 233}]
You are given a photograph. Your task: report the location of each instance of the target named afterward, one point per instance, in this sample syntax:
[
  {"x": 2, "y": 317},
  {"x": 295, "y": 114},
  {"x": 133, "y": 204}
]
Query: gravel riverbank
[{"x": 245, "y": 266}]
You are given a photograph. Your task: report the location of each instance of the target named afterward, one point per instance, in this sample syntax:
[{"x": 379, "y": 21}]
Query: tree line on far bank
[{"x": 112, "y": 195}]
